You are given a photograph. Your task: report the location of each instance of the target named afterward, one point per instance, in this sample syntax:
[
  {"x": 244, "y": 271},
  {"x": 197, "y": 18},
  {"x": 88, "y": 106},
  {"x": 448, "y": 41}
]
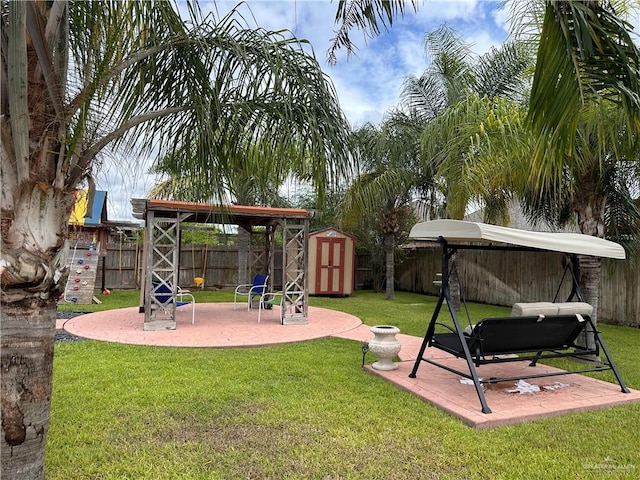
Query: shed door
[{"x": 330, "y": 266}]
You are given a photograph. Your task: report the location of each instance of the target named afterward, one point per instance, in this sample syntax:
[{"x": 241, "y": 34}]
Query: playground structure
[{"x": 83, "y": 267}]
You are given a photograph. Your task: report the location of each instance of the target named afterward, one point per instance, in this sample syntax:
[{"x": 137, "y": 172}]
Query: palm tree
[
  {"x": 378, "y": 200},
  {"x": 254, "y": 180},
  {"x": 489, "y": 150},
  {"x": 585, "y": 51},
  {"x": 78, "y": 76},
  {"x": 455, "y": 80},
  {"x": 588, "y": 45},
  {"x": 480, "y": 148},
  {"x": 595, "y": 190},
  {"x": 484, "y": 151}
]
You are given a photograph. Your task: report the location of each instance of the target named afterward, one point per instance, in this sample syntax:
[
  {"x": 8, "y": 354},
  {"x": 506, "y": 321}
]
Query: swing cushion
[
  {"x": 512, "y": 335},
  {"x": 568, "y": 308},
  {"x": 534, "y": 308},
  {"x": 546, "y": 309}
]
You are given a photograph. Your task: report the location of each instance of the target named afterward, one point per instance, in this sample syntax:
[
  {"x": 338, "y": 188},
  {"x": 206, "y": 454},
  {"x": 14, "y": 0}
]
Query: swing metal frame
[{"x": 535, "y": 339}]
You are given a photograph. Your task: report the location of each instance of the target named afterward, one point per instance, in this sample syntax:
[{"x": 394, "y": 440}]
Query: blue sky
[{"x": 369, "y": 82}]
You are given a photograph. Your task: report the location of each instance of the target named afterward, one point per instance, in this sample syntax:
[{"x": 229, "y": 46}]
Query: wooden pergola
[{"x": 163, "y": 219}]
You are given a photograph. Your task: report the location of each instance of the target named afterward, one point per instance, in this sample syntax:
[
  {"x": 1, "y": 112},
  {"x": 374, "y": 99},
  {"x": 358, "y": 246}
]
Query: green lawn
[{"x": 306, "y": 411}]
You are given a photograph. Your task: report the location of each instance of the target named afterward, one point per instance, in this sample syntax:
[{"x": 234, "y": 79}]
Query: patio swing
[{"x": 534, "y": 331}]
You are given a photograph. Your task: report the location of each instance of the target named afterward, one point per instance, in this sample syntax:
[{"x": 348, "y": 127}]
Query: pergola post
[
  {"x": 294, "y": 273},
  {"x": 261, "y": 251},
  {"x": 162, "y": 238}
]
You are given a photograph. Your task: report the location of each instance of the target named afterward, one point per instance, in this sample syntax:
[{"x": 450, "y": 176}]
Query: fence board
[
  {"x": 503, "y": 278},
  {"x": 500, "y": 278}
]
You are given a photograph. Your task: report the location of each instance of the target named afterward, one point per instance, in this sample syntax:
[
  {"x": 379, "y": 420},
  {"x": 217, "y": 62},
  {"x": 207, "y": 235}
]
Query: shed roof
[{"x": 458, "y": 230}]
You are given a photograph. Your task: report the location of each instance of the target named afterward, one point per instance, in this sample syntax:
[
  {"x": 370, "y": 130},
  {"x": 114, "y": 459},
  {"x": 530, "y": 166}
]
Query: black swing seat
[
  {"x": 495, "y": 340},
  {"x": 516, "y": 339}
]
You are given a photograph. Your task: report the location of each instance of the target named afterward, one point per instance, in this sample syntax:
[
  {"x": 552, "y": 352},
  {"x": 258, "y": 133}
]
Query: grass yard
[{"x": 306, "y": 411}]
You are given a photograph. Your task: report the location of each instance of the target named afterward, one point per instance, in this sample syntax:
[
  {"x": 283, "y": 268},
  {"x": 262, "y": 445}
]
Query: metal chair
[
  {"x": 163, "y": 294},
  {"x": 268, "y": 300},
  {"x": 251, "y": 290}
]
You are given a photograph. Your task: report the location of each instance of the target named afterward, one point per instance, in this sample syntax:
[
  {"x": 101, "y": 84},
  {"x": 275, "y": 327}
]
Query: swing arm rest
[{"x": 453, "y": 330}]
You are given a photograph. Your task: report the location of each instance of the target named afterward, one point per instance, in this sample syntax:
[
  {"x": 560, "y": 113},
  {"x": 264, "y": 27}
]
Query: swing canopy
[{"x": 462, "y": 231}]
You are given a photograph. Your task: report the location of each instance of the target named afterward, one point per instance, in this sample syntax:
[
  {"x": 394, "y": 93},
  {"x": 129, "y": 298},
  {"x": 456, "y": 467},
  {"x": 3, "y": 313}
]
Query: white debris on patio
[
  {"x": 468, "y": 381},
  {"x": 524, "y": 387},
  {"x": 555, "y": 386}
]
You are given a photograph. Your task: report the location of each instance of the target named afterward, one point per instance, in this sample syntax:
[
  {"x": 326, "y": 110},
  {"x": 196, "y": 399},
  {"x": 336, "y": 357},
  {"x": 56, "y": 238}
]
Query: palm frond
[
  {"x": 585, "y": 52},
  {"x": 503, "y": 71},
  {"x": 369, "y": 16},
  {"x": 221, "y": 90}
]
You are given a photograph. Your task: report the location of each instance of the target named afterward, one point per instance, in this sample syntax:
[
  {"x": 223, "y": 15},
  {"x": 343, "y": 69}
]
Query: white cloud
[{"x": 123, "y": 179}]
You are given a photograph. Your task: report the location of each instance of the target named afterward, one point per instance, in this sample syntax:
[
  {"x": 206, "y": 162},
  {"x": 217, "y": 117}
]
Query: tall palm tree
[
  {"x": 585, "y": 53},
  {"x": 585, "y": 50},
  {"x": 379, "y": 198},
  {"x": 460, "y": 81},
  {"x": 489, "y": 150},
  {"x": 479, "y": 147},
  {"x": 455, "y": 79},
  {"x": 595, "y": 190},
  {"x": 78, "y": 76},
  {"x": 254, "y": 180}
]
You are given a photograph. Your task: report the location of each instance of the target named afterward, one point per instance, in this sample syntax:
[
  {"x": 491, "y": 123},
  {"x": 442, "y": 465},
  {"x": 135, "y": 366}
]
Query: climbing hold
[
  {"x": 86, "y": 267},
  {"x": 77, "y": 280},
  {"x": 74, "y": 299},
  {"x": 76, "y": 287},
  {"x": 88, "y": 254},
  {"x": 78, "y": 271},
  {"x": 80, "y": 261}
]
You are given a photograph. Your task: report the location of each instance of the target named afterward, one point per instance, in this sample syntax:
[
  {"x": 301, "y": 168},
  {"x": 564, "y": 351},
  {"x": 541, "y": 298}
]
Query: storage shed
[{"x": 331, "y": 262}]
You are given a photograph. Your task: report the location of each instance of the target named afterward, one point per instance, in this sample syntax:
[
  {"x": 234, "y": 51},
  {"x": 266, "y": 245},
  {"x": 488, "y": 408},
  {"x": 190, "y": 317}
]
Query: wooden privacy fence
[
  {"x": 217, "y": 264},
  {"x": 499, "y": 278},
  {"x": 504, "y": 278}
]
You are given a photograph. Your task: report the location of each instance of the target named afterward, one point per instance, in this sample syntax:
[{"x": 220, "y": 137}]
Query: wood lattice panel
[
  {"x": 295, "y": 301},
  {"x": 163, "y": 238}
]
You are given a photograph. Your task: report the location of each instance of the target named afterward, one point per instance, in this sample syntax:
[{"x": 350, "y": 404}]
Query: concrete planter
[{"x": 385, "y": 346}]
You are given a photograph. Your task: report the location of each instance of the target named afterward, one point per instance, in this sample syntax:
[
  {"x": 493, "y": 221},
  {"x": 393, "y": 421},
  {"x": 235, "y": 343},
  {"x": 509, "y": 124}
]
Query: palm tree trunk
[
  {"x": 590, "y": 208},
  {"x": 590, "y": 271},
  {"x": 28, "y": 337},
  {"x": 389, "y": 246},
  {"x": 34, "y": 271},
  {"x": 454, "y": 283}
]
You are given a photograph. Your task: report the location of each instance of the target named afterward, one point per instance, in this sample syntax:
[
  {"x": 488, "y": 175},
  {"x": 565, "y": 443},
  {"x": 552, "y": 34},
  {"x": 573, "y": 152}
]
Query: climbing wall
[{"x": 83, "y": 266}]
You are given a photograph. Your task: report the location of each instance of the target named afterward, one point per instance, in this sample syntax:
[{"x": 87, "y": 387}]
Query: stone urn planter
[{"x": 384, "y": 346}]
